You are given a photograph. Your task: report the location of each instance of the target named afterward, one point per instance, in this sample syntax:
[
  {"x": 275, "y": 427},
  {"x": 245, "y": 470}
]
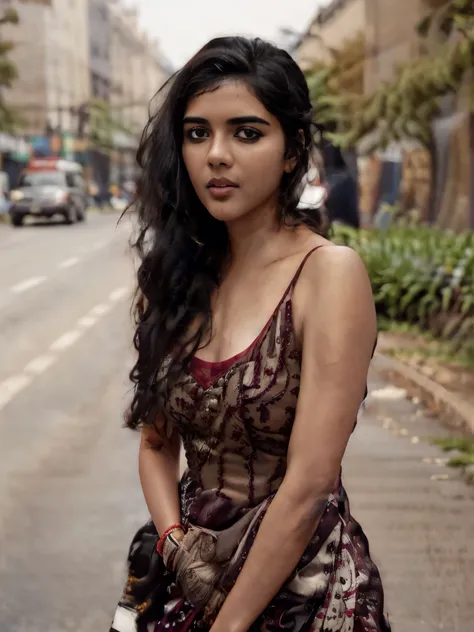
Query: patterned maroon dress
[{"x": 235, "y": 420}]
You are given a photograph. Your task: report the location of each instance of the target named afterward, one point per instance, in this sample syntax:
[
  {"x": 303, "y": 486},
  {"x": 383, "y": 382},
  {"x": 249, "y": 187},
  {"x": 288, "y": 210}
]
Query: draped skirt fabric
[{"x": 335, "y": 587}]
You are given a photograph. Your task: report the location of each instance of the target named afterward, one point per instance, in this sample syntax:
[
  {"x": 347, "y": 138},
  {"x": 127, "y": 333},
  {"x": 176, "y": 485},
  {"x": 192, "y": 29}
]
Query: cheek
[
  {"x": 192, "y": 162},
  {"x": 265, "y": 166}
]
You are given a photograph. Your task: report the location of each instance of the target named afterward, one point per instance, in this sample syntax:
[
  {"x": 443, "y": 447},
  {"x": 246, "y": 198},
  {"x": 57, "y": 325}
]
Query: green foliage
[
  {"x": 10, "y": 16},
  {"x": 463, "y": 460},
  {"x": 463, "y": 445},
  {"x": 9, "y": 120},
  {"x": 421, "y": 276},
  {"x": 334, "y": 85},
  {"x": 460, "y": 444},
  {"x": 8, "y": 71},
  {"x": 445, "y": 17},
  {"x": 405, "y": 107}
]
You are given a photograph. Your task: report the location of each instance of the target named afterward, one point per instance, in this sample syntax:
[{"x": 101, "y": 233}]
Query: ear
[
  {"x": 289, "y": 165},
  {"x": 291, "y": 160}
]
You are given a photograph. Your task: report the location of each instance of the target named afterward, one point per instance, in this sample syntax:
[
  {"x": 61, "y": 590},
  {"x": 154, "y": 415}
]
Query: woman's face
[{"x": 234, "y": 150}]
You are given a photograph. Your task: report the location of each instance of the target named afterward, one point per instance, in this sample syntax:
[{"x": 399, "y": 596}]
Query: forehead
[{"x": 228, "y": 100}]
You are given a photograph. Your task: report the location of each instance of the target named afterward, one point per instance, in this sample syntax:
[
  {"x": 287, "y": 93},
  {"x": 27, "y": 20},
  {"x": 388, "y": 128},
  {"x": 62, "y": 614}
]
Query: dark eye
[
  {"x": 249, "y": 134},
  {"x": 197, "y": 133}
]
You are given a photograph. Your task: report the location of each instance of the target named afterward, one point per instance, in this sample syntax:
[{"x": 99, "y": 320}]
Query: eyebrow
[{"x": 237, "y": 120}]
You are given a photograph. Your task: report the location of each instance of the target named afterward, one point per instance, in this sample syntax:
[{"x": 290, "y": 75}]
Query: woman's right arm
[{"x": 159, "y": 473}]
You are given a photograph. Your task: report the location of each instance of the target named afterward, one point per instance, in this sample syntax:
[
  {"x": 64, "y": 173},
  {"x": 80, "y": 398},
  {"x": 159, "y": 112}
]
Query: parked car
[{"x": 48, "y": 188}]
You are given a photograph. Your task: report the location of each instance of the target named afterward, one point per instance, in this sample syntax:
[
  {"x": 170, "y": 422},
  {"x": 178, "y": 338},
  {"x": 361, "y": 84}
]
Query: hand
[
  {"x": 197, "y": 571},
  {"x": 170, "y": 546}
]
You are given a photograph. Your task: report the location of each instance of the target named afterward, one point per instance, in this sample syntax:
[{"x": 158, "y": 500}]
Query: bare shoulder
[
  {"x": 334, "y": 284},
  {"x": 332, "y": 263}
]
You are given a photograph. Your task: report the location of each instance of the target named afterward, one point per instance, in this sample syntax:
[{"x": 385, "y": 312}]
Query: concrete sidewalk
[{"x": 417, "y": 514}]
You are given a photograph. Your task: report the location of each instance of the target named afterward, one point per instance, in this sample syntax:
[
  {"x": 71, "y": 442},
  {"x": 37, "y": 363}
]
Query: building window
[{"x": 95, "y": 86}]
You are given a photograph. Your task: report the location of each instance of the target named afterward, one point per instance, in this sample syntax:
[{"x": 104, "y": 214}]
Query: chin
[{"x": 225, "y": 212}]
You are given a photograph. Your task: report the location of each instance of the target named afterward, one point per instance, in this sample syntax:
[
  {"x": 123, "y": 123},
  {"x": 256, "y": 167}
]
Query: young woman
[{"x": 248, "y": 359}]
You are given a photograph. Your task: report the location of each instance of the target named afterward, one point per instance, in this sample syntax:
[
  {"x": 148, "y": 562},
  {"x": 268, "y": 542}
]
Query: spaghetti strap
[
  {"x": 302, "y": 264},
  {"x": 220, "y": 367}
]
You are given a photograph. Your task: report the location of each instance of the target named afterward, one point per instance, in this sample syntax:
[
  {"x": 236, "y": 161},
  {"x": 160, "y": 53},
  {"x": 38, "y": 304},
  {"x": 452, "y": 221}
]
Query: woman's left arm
[{"x": 338, "y": 333}]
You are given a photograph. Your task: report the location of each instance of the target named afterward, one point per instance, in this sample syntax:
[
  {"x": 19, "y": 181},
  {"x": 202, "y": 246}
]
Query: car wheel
[
  {"x": 70, "y": 215},
  {"x": 17, "y": 219},
  {"x": 80, "y": 215}
]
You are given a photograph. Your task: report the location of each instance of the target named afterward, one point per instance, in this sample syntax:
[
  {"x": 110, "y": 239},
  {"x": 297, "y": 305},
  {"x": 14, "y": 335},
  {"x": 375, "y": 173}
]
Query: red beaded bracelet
[{"x": 161, "y": 542}]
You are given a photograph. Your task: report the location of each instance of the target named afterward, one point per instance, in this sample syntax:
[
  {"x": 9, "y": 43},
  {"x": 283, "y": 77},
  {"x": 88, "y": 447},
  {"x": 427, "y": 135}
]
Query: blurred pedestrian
[
  {"x": 258, "y": 533},
  {"x": 342, "y": 203},
  {"x": 94, "y": 193}
]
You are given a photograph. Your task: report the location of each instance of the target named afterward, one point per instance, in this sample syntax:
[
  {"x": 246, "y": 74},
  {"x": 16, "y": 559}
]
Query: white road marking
[
  {"x": 68, "y": 263},
  {"x": 66, "y": 340},
  {"x": 28, "y": 284},
  {"x": 12, "y": 386},
  {"x": 118, "y": 294},
  {"x": 87, "y": 321},
  {"x": 100, "y": 310},
  {"x": 40, "y": 364}
]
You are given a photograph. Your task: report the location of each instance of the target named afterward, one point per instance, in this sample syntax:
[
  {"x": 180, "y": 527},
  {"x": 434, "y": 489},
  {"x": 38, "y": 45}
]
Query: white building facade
[{"x": 52, "y": 57}]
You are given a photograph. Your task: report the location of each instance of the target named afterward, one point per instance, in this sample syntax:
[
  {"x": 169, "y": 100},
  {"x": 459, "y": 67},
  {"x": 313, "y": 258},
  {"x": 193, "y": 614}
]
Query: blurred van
[{"x": 50, "y": 187}]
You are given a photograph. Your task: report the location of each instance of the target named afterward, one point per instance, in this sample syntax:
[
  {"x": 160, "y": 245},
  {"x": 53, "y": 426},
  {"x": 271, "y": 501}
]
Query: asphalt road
[{"x": 69, "y": 494}]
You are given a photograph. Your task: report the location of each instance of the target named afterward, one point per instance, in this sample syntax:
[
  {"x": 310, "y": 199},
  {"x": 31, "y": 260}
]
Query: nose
[{"x": 219, "y": 152}]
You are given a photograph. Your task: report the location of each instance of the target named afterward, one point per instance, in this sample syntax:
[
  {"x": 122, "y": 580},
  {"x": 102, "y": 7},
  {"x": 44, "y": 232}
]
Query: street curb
[{"x": 456, "y": 412}]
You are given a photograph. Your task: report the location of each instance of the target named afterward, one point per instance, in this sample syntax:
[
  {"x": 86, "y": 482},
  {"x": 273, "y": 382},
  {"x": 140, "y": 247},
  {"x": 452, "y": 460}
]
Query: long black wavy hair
[{"x": 181, "y": 247}]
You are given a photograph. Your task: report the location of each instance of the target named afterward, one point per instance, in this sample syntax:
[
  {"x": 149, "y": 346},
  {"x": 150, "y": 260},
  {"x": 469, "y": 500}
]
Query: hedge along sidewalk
[{"x": 453, "y": 408}]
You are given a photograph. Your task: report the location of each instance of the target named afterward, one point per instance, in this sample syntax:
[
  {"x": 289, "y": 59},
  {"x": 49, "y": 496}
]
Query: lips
[
  {"x": 221, "y": 187},
  {"x": 221, "y": 183}
]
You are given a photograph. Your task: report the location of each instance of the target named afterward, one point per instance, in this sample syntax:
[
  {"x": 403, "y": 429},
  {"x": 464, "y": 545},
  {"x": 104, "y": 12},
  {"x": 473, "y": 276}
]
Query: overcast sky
[{"x": 182, "y": 26}]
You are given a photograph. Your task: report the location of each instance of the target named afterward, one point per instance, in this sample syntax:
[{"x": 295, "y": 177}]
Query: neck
[{"x": 252, "y": 235}]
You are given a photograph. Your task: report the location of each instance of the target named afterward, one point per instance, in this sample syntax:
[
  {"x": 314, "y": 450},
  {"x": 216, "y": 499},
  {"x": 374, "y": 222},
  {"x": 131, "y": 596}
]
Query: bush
[{"x": 420, "y": 275}]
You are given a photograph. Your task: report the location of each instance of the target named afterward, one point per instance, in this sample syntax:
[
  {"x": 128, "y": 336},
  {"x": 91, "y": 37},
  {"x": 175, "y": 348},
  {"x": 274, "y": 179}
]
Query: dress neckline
[
  {"x": 221, "y": 367},
  {"x": 263, "y": 331}
]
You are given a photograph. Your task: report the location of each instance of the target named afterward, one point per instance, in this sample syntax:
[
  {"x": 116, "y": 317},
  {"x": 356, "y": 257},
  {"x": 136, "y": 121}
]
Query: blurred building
[
  {"x": 388, "y": 27},
  {"x": 51, "y": 54},
  {"x": 136, "y": 65},
  {"x": 137, "y": 71},
  {"x": 331, "y": 26},
  {"x": 391, "y": 37},
  {"x": 403, "y": 172},
  {"x": 100, "y": 80},
  {"x": 70, "y": 53},
  {"x": 99, "y": 48}
]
